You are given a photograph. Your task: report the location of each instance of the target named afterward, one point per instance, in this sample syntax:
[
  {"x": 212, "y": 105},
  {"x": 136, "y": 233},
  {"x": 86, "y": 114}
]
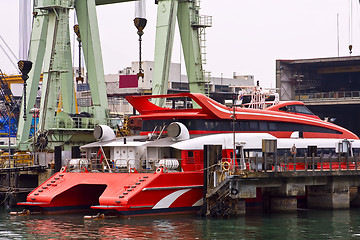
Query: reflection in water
[{"x": 308, "y": 224}]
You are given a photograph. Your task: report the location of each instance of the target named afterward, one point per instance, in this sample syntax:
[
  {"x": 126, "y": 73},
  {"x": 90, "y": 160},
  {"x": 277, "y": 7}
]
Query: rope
[{"x": 7, "y": 195}]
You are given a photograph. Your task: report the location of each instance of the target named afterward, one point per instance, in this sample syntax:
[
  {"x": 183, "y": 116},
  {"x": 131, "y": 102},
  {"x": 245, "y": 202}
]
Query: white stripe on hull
[
  {"x": 170, "y": 199},
  {"x": 198, "y": 203}
]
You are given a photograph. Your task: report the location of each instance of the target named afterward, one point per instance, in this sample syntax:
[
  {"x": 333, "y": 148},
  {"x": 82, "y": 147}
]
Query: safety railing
[
  {"x": 121, "y": 165},
  {"x": 16, "y": 161},
  {"x": 290, "y": 164},
  {"x": 328, "y": 95},
  {"x": 201, "y": 21},
  {"x": 82, "y": 123}
]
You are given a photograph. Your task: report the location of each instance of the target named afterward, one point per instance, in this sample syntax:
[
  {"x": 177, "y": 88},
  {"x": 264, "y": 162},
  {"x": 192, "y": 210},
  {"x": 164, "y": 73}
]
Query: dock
[
  {"x": 279, "y": 183},
  {"x": 20, "y": 174}
]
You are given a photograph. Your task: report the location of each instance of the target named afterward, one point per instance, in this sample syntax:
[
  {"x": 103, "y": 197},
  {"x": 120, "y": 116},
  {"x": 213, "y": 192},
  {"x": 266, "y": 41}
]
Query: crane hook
[{"x": 140, "y": 24}]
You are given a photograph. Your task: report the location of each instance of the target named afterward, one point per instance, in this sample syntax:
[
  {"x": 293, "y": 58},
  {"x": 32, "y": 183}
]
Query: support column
[
  {"x": 283, "y": 204},
  {"x": 284, "y": 198},
  {"x": 191, "y": 46},
  {"x": 36, "y": 56},
  {"x": 355, "y": 197},
  {"x": 89, "y": 30},
  {"x": 334, "y": 195},
  {"x": 238, "y": 207},
  {"x": 165, "y": 29}
]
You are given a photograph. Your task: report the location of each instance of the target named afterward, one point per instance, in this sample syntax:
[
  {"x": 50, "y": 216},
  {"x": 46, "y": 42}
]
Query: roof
[{"x": 325, "y": 62}]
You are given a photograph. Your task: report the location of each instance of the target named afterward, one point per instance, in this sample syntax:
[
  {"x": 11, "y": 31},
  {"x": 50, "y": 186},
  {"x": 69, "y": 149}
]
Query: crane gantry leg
[
  {"x": 188, "y": 19},
  {"x": 58, "y": 73},
  {"x": 165, "y": 29},
  {"x": 189, "y": 25},
  {"x": 50, "y": 48},
  {"x": 90, "y": 37},
  {"x": 36, "y": 55}
]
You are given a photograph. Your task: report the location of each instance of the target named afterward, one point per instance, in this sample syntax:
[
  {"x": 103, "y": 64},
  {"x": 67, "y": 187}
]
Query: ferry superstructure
[{"x": 161, "y": 170}]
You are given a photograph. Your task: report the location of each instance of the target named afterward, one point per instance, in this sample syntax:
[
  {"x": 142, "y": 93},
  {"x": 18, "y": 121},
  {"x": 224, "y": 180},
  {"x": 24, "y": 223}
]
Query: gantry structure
[{"x": 50, "y": 53}]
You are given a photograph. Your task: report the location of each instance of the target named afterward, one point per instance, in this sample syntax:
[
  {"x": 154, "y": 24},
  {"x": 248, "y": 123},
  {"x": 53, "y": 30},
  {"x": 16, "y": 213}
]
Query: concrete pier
[
  {"x": 279, "y": 204},
  {"x": 15, "y": 184},
  {"x": 328, "y": 186},
  {"x": 334, "y": 195},
  {"x": 354, "y": 197}
]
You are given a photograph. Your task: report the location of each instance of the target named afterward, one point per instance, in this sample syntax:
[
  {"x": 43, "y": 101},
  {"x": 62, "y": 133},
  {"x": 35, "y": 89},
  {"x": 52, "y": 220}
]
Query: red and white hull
[{"x": 124, "y": 193}]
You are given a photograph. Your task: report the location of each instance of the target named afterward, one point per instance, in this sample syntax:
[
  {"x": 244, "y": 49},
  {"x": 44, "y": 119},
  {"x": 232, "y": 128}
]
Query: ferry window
[
  {"x": 189, "y": 123},
  {"x": 296, "y": 109},
  {"x": 287, "y": 109},
  {"x": 190, "y": 153},
  {"x": 263, "y": 126},
  {"x": 254, "y": 125},
  {"x": 217, "y": 126},
  {"x": 206, "y": 125},
  {"x": 244, "y": 126},
  {"x": 272, "y": 126},
  {"x": 302, "y": 109}
]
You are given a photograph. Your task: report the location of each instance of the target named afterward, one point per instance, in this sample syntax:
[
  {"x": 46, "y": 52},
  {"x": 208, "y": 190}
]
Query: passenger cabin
[{"x": 280, "y": 120}]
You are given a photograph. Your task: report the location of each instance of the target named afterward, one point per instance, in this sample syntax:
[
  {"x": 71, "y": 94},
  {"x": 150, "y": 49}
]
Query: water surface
[{"x": 303, "y": 224}]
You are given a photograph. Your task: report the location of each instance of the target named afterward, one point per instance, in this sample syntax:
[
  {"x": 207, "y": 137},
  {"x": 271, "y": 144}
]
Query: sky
[{"x": 247, "y": 36}]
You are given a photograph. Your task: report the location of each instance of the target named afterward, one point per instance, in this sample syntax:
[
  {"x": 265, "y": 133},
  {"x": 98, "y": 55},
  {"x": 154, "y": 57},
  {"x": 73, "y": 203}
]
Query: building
[
  {"x": 330, "y": 87},
  {"x": 126, "y": 83}
]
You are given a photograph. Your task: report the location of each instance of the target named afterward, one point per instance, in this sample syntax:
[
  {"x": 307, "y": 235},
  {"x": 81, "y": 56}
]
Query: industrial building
[
  {"x": 330, "y": 87},
  {"x": 126, "y": 83}
]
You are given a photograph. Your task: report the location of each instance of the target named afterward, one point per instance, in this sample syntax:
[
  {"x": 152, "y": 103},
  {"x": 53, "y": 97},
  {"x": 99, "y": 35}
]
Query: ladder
[{"x": 201, "y": 22}]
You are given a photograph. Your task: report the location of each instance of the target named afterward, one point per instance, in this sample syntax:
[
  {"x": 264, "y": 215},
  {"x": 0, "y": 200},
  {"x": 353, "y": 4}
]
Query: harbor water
[{"x": 303, "y": 224}]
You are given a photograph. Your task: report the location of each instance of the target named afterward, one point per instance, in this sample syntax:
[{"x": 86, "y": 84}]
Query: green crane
[{"x": 50, "y": 50}]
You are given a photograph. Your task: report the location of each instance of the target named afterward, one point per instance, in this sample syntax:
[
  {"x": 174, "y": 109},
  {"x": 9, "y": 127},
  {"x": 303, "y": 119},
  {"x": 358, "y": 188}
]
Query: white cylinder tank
[
  {"x": 104, "y": 133},
  {"x": 76, "y": 164},
  {"x": 169, "y": 163}
]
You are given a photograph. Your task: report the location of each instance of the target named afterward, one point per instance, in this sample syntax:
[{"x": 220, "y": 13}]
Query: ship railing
[
  {"x": 16, "y": 160},
  {"x": 82, "y": 123},
  {"x": 322, "y": 163},
  {"x": 328, "y": 95},
  {"x": 121, "y": 165}
]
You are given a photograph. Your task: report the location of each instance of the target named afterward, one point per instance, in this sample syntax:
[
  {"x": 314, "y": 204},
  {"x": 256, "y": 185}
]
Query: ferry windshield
[{"x": 296, "y": 109}]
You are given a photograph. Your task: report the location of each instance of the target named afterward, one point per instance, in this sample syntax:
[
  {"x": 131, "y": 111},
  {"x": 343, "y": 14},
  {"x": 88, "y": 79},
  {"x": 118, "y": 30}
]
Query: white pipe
[
  {"x": 24, "y": 28},
  {"x": 140, "y": 9}
]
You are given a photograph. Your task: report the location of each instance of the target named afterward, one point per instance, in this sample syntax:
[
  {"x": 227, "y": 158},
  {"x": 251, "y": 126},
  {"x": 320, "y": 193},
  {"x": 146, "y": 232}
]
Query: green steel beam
[
  {"x": 103, "y": 2},
  {"x": 47, "y": 93},
  {"x": 191, "y": 46},
  {"x": 89, "y": 31},
  {"x": 66, "y": 67},
  {"x": 165, "y": 28},
  {"x": 36, "y": 55},
  {"x": 58, "y": 73}
]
